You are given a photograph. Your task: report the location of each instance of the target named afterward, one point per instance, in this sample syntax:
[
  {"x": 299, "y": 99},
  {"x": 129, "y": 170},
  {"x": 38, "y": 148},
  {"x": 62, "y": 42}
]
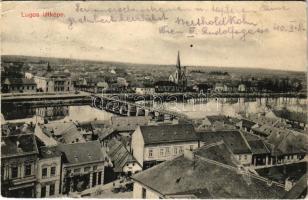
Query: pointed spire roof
[
  {"x": 48, "y": 67},
  {"x": 178, "y": 62}
]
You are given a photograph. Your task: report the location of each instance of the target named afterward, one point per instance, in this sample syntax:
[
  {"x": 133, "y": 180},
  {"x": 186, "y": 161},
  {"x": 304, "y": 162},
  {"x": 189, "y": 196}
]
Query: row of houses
[
  {"x": 31, "y": 167},
  {"x": 211, "y": 171},
  {"x": 48, "y": 82},
  {"x": 154, "y": 144}
]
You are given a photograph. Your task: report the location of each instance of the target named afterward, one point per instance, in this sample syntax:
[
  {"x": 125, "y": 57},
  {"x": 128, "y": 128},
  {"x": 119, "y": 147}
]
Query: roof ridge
[{"x": 236, "y": 169}]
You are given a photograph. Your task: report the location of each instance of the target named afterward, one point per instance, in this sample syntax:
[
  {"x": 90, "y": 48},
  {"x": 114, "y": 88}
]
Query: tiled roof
[
  {"x": 287, "y": 142},
  {"x": 20, "y": 144},
  {"x": 119, "y": 155},
  {"x": 79, "y": 153},
  {"x": 219, "y": 152},
  {"x": 128, "y": 123},
  {"x": 20, "y": 81},
  {"x": 258, "y": 147},
  {"x": 247, "y": 123},
  {"x": 214, "y": 118},
  {"x": 168, "y": 133},
  {"x": 300, "y": 188},
  {"x": 68, "y": 132},
  {"x": 183, "y": 176},
  {"x": 280, "y": 173},
  {"x": 232, "y": 138},
  {"x": 49, "y": 152}
]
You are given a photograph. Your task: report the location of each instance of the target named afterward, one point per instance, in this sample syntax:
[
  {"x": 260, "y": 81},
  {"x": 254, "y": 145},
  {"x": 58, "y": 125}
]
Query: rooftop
[
  {"x": 232, "y": 138},
  {"x": 16, "y": 145},
  {"x": 78, "y": 153},
  {"x": 119, "y": 155},
  {"x": 19, "y": 81},
  {"x": 66, "y": 131},
  {"x": 49, "y": 152},
  {"x": 258, "y": 147},
  {"x": 287, "y": 142},
  {"x": 168, "y": 133},
  {"x": 206, "y": 178},
  {"x": 299, "y": 190},
  {"x": 281, "y": 173}
]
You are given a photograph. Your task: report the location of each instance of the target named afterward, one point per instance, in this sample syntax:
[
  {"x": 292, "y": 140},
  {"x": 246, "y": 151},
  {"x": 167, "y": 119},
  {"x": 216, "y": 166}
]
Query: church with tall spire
[{"x": 179, "y": 76}]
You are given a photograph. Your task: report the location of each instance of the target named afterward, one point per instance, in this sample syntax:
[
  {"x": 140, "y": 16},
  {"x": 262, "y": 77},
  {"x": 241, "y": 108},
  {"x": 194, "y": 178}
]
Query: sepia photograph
[{"x": 154, "y": 99}]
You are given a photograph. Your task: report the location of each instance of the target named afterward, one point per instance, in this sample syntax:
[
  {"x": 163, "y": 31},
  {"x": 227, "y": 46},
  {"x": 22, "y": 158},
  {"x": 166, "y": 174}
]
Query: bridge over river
[{"x": 122, "y": 107}]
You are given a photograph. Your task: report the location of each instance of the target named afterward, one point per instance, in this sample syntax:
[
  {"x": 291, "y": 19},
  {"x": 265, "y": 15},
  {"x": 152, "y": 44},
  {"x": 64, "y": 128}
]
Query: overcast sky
[{"x": 141, "y": 42}]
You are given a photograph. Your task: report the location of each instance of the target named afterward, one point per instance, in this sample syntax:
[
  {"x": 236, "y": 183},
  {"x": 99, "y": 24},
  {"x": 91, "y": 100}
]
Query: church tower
[{"x": 179, "y": 76}]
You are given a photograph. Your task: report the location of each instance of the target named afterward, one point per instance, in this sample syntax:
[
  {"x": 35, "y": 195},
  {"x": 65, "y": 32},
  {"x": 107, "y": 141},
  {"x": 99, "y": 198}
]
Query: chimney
[
  {"x": 189, "y": 154},
  {"x": 18, "y": 146},
  {"x": 289, "y": 183}
]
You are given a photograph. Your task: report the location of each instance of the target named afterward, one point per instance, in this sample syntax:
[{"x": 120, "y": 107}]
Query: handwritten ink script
[{"x": 235, "y": 22}]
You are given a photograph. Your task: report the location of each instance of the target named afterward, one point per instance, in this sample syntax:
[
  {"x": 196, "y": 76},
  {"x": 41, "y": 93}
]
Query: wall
[
  {"x": 137, "y": 192},
  {"x": 100, "y": 167},
  {"x": 23, "y": 88},
  {"x": 132, "y": 167},
  {"x": 244, "y": 160},
  {"x": 48, "y": 180},
  {"x": 172, "y": 146},
  {"x": 20, "y": 163},
  {"x": 138, "y": 145}
]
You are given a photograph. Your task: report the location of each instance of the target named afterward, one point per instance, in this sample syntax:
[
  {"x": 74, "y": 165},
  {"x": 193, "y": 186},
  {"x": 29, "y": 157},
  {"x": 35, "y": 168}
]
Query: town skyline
[{"x": 159, "y": 65}]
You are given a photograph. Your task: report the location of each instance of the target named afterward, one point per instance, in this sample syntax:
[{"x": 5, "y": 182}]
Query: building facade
[
  {"x": 48, "y": 172},
  {"x": 19, "y": 85},
  {"x": 83, "y": 166},
  {"x": 54, "y": 82},
  {"x": 18, "y": 165},
  {"x": 154, "y": 144}
]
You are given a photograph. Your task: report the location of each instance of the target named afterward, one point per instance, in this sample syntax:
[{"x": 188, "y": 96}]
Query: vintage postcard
[{"x": 154, "y": 99}]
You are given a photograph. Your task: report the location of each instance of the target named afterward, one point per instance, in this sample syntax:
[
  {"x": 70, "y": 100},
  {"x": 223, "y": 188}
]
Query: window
[
  {"x": 167, "y": 151},
  {"x": 86, "y": 169},
  {"x": 52, "y": 190},
  {"x": 43, "y": 191},
  {"x": 181, "y": 150},
  {"x": 77, "y": 170},
  {"x": 150, "y": 153},
  {"x": 161, "y": 152},
  {"x": 44, "y": 172},
  {"x": 245, "y": 157},
  {"x": 144, "y": 193},
  {"x": 14, "y": 171},
  {"x": 52, "y": 171},
  {"x": 175, "y": 150},
  {"x": 28, "y": 169}
]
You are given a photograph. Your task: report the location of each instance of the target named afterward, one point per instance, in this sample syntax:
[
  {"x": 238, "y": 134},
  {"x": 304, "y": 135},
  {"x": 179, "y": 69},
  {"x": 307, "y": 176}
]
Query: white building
[
  {"x": 54, "y": 82},
  {"x": 48, "y": 172},
  {"x": 154, "y": 144},
  {"x": 145, "y": 90}
]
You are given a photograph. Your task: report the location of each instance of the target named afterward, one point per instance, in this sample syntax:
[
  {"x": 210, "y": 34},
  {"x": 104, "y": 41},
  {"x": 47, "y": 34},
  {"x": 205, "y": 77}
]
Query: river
[{"x": 193, "y": 109}]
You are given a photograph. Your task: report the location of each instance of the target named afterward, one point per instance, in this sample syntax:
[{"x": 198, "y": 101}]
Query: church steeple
[
  {"x": 48, "y": 67},
  {"x": 178, "y": 62}
]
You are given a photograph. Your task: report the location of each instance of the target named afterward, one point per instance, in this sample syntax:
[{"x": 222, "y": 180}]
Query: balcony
[{"x": 23, "y": 180}]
